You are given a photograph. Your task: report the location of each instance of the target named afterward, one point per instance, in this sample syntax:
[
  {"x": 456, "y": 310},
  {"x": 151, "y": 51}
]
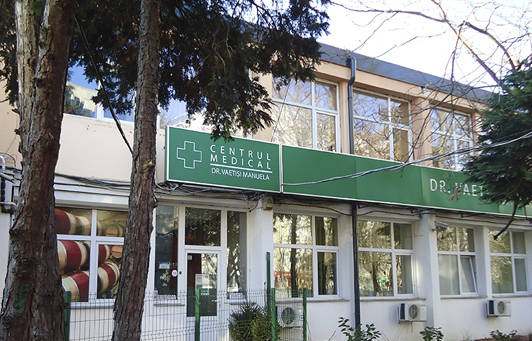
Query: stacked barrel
[{"x": 74, "y": 257}]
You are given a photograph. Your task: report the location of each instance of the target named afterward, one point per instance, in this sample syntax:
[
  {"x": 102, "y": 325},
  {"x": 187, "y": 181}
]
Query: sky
[{"x": 420, "y": 44}]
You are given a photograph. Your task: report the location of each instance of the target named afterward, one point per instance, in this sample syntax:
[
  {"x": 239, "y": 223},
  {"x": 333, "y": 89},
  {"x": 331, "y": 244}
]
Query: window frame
[
  {"x": 513, "y": 256},
  {"x": 315, "y": 250},
  {"x": 95, "y": 240},
  {"x": 452, "y": 136},
  {"x": 389, "y": 123},
  {"x": 315, "y": 111},
  {"x": 394, "y": 252},
  {"x": 459, "y": 254}
]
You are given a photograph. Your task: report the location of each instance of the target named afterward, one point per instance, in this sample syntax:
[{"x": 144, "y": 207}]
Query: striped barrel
[
  {"x": 83, "y": 226},
  {"x": 65, "y": 223},
  {"x": 114, "y": 231},
  {"x": 78, "y": 284},
  {"x": 108, "y": 274},
  {"x": 72, "y": 255},
  {"x": 104, "y": 252}
]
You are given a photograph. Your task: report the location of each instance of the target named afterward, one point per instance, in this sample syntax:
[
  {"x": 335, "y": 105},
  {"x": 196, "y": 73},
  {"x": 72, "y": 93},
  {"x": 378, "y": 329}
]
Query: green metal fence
[{"x": 200, "y": 315}]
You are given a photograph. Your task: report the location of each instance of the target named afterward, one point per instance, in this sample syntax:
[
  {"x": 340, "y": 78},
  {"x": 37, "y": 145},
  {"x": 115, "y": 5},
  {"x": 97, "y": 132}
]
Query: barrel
[
  {"x": 83, "y": 226},
  {"x": 114, "y": 231},
  {"x": 104, "y": 252},
  {"x": 116, "y": 252},
  {"x": 72, "y": 254},
  {"x": 78, "y": 284},
  {"x": 65, "y": 223},
  {"x": 108, "y": 274}
]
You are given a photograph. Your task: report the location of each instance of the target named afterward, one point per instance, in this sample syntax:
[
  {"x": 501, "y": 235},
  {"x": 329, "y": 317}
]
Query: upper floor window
[
  {"x": 89, "y": 246},
  {"x": 305, "y": 254},
  {"x": 306, "y": 114},
  {"x": 456, "y": 261},
  {"x": 508, "y": 262},
  {"x": 385, "y": 258},
  {"x": 450, "y": 131},
  {"x": 381, "y": 127}
]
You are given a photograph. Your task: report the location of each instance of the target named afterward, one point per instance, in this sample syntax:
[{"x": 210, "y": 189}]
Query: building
[{"x": 319, "y": 190}]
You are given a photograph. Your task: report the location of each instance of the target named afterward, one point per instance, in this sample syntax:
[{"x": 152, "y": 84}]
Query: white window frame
[
  {"x": 389, "y": 123},
  {"x": 394, "y": 253},
  {"x": 465, "y": 254},
  {"x": 315, "y": 249},
  {"x": 455, "y": 138},
  {"x": 513, "y": 256},
  {"x": 95, "y": 240},
  {"x": 315, "y": 111}
]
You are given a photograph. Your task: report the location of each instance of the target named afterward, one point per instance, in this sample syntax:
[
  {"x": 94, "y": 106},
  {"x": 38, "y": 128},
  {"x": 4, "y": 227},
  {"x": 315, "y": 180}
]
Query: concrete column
[{"x": 260, "y": 241}]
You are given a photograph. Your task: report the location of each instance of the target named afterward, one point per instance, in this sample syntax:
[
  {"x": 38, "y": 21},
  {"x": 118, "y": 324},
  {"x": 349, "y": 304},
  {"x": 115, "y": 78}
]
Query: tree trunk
[
  {"x": 129, "y": 303},
  {"x": 33, "y": 297}
]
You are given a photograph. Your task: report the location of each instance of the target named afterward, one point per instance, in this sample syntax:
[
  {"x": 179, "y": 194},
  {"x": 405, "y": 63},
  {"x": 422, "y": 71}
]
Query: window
[
  {"x": 202, "y": 228},
  {"x": 456, "y": 261},
  {"x": 306, "y": 114},
  {"x": 508, "y": 262},
  {"x": 381, "y": 127},
  {"x": 385, "y": 258},
  {"x": 305, "y": 254},
  {"x": 450, "y": 131},
  {"x": 90, "y": 251}
]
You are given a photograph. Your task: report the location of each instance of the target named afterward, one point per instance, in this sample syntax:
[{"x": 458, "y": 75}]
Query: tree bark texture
[
  {"x": 32, "y": 307},
  {"x": 129, "y": 304}
]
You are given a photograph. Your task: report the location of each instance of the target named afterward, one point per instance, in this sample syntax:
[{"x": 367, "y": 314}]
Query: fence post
[
  {"x": 68, "y": 300},
  {"x": 197, "y": 314},
  {"x": 268, "y": 281},
  {"x": 274, "y": 315},
  {"x": 305, "y": 292}
]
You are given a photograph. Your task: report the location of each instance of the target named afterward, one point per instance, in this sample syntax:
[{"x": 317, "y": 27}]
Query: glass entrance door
[{"x": 202, "y": 274}]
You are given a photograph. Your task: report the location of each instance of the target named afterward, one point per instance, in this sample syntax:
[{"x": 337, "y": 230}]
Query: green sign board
[
  {"x": 341, "y": 176},
  {"x": 194, "y": 157}
]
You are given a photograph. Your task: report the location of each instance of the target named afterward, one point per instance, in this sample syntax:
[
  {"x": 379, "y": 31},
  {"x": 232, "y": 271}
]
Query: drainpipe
[{"x": 351, "y": 62}]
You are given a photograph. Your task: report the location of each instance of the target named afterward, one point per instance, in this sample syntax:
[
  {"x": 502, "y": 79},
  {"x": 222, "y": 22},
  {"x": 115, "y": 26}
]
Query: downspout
[{"x": 351, "y": 62}]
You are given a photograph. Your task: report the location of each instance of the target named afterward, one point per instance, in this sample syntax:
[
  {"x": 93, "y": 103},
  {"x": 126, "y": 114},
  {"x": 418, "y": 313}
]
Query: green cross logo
[{"x": 189, "y": 154}]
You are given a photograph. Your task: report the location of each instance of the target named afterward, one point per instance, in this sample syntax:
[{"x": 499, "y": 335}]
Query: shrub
[
  {"x": 241, "y": 321},
  {"x": 358, "y": 334},
  {"x": 500, "y": 336},
  {"x": 431, "y": 333}
]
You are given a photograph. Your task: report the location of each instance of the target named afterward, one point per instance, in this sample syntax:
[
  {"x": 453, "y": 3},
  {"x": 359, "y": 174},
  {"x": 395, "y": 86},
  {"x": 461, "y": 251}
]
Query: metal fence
[{"x": 199, "y": 315}]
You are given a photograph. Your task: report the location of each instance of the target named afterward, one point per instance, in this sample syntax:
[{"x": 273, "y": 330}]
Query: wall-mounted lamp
[{"x": 267, "y": 203}]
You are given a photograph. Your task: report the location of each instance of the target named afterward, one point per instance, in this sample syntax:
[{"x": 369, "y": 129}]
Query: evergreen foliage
[{"x": 505, "y": 169}]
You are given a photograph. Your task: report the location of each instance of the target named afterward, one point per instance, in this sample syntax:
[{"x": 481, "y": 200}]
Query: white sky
[{"x": 433, "y": 43}]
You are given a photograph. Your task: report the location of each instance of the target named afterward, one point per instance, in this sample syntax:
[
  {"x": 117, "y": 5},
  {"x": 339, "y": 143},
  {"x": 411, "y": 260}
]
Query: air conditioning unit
[
  {"x": 290, "y": 316},
  {"x": 496, "y": 308},
  {"x": 412, "y": 312}
]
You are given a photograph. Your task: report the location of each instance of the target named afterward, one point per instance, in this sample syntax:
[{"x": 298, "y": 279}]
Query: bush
[
  {"x": 500, "y": 336},
  {"x": 252, "y": 323},
  {"x": 431, "y": 333},
  {"x": 358, "y": 334}
]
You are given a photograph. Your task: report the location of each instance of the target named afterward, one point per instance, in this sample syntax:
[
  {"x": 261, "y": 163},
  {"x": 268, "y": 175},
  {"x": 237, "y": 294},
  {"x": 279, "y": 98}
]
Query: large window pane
[
  {"x": 73, "y": 221},
  {"x": 376, "y": 276},
  {"x": 292, "y": 229},
  {"x": 447, "y": 240},
  {"x": 326, "y": 231},
  {"x": 501, "y": 244},
  {"x": 466, "y": 240},
  {"x": 404, "y": 274},
  {"x": 468, "y": 275},
  {"x": 236, "y": 251},
  {"x": 293, "y": 126},
  {"x": 166, "y": 232},
  {"x": 202, "y": 226},
  {"x": 293, "y": 271},
  {"x": 520, "y": 274},
  {"x": 327, "y": 273},
  {"x": 111, "y": 223},
  {"x": 370, "y": 107},
  {"x": 325, "y": 95},
  {"x": 501, "y": 275},
  {"x": 297, "y": 92},
  {"x": 401, "y": 150},
  {"x": 371, "y": 139},
  {"x": 403, "y": 236},
  {"x": 518, "y": 239},
  {"x": 374, "y": 234},
  {"x": 448, "y": 269},
  {"x": 326, "y": 125}
]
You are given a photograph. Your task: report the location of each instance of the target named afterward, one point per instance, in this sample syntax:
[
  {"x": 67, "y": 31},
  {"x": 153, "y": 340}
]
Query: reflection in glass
[
  {"x": 202, "y": 275},
  {"x": 404, "y": 274},
  {"x": 327, "y": 273},
  {"x": 73, "y": 221},
  {"x": 292, "y": 229},
  {"x": 111, "y": 223},
  {"x": 501, "y": 275},
  {"x": 518, "y": 239},
  {"x": 466, "y": 239},
  {"x": 371, "y": 139},
  {"x": 468, "y": 274},
  {"x": 325, "y": 95},
  {"x": 326, "y": 125},
  {"x": 374, "y": 234},
  {"x": 293, "y": 126},
  {"x": 448, "y": 269},
  {"x": 447, "y": 239},
  {"x": 520, "y": 274},
  {"x": 236, "y": 251},
  {"x": 326, "y": 231},
  {"x": 202, "y": 226},
  {"x": 501, "y": 244},
  {"x": 403, "y": 236},
  {"x": 292, "y": 270},
  {"x": 376, "y": 277},
  {"x": 166, "y": 232}
]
